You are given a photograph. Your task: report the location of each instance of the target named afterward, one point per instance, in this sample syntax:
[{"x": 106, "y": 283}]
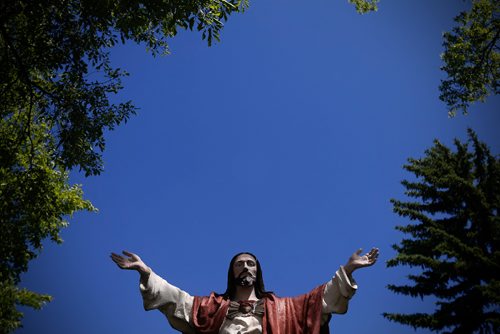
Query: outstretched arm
[
  {"x": 357, "y": 260},
  {"x": 158, "y": 293},
  {"x": 342, "y": 287}
]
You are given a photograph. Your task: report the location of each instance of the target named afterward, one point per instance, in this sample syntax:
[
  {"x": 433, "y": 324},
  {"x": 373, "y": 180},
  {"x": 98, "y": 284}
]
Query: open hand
[
  {"x": 357, "y": 260},
  {"x": 133, "y": 262}
]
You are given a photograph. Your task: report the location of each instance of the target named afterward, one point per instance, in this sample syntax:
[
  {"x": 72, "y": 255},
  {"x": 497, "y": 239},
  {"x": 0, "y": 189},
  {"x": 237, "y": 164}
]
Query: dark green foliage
[
  {"x": 471, "y": 57},
  {"x": 453, "y": 238},
  {"x": 54, "y": 55}
]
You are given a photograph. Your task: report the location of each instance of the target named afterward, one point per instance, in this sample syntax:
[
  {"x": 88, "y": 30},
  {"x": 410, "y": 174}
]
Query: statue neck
[{"x": 245, "y": 293}]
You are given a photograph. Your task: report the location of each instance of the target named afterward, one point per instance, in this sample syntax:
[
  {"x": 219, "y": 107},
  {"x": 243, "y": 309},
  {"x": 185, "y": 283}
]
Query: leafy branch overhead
[
  {"x": 453, "y": 238},
  {"x": 471, "y": 57},
  {"x": 55, "y": 58}
]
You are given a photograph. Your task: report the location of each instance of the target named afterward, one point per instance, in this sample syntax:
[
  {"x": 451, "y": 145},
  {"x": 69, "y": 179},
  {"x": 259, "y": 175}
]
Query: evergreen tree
[{"x": 453, "y": 238}]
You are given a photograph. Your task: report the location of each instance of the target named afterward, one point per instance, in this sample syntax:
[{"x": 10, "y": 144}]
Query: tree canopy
[
  {"x": 55, "y": 59},
  {"x": 454, "y": 238},
  {"x": 471, "y": 57}
]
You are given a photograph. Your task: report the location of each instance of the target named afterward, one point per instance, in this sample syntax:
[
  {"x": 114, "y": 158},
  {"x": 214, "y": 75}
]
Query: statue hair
[{"x": 260, "y": 292}]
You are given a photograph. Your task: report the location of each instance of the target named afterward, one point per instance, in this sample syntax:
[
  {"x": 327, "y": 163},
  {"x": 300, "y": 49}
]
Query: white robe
[{"x": 177, "y": 304}]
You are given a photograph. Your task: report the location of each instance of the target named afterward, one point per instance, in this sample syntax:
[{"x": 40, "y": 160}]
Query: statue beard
[{"x": 245, "y": 279}]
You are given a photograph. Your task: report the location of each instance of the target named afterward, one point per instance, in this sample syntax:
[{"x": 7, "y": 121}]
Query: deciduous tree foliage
[
  {"x": 365, "y": 6},
  {"x": 471, "y": 57},
  {"x": 55, "y": 57},
  {"x": 56, "y": 80},
  {"x": 35, "y": 199},
  {"x": 453, "y": 238}
]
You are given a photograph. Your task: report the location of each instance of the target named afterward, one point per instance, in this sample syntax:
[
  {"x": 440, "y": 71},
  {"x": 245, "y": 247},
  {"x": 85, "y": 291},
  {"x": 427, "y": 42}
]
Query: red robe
[{"x": 296, "y": 315}]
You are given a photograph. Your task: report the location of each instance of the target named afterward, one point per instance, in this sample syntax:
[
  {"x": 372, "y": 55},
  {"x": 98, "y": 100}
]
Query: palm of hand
[
  {"x": 133, "y": 262},
  {"x": 359, "y": 261}
]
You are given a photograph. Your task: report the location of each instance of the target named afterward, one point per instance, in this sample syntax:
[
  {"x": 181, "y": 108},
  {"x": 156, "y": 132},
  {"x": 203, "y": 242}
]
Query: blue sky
[{"x": 287, "y": 139}]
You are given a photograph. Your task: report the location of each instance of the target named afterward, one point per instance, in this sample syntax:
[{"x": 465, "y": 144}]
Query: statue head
[{"x": 244, "y": 270}]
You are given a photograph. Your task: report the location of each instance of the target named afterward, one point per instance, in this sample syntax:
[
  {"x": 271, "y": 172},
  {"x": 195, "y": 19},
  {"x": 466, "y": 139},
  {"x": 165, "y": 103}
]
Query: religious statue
[{"x": 246, "y": 307}]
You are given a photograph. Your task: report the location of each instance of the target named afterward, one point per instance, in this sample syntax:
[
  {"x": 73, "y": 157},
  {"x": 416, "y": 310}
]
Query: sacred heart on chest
[{"x": 245, "y": 308}]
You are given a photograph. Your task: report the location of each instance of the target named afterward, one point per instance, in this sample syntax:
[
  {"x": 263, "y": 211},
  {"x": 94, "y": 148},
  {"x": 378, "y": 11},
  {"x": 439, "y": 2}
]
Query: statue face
[{"x": 245, "y": 270}]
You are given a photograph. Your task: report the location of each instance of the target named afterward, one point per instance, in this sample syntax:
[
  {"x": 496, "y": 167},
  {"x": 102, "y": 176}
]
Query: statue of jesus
[{"x": 246, "y": 307}]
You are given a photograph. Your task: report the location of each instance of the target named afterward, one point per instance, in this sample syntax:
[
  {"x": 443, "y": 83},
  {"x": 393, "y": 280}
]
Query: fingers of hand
[
  {"x": 133, "y": 256},
  {"x": 373, "y": 255},
  {"x": 116, "y": 257},
  {"x": 120, "y": 261},
  {"x": 128, "y": 253}
]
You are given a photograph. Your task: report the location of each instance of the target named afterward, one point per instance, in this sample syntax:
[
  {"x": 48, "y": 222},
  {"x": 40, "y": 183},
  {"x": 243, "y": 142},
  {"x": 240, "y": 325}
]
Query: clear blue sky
[{"x": 287, "y": 139}]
